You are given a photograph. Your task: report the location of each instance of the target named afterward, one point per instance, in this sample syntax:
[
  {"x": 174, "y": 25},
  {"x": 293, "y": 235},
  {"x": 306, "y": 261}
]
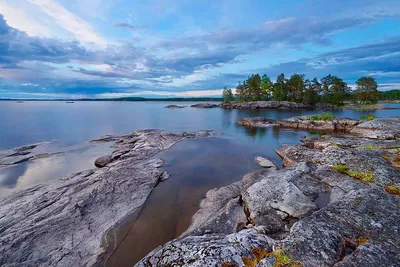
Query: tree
[
  {"x": 296, "y": 87},
  {"x": 312, "y": 89},
  {"x": 334, "y": 90},
  {"x": 390, "y": 95},
  {"x": 254, "y": 82},
  {"x": 280, "y": 88},
  {"x": 242, "y": 92},
  {"x": 227, "y": 95},
  {"x": 367, "y": 90},
  {"x": 267, "y": 87}
]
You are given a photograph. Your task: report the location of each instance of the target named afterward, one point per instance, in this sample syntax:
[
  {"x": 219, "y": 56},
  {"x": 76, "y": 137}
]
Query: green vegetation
[
  {"x": 369, "y": 147},
  {"x": 369, "y": 117},
  {"x": 282, "y": 259},
  {"x": 227, "y": 95},
  {"x": 389, "y": 95},
  {"x": 367, "y": 90},
  {"x": 297, "y": 88},
  {"x": 391, "y": 189},
  {"x": 325, "y": 116},
  {"x": 364, "y": 177},
  {"x": 340, "y": 168}
]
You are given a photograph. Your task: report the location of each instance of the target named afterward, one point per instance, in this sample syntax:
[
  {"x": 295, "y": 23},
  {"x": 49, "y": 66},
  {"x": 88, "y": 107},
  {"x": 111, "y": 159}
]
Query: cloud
[
  {"x": 132, "y": 27},
  {"x": 380, "y": 59},
  {"x": 70, "y": 22}
]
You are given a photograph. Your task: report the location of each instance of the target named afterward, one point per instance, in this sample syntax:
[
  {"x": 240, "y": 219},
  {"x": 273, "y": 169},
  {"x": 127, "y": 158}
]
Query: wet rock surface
[
  {"x": 21, "y": 154},
  {"x": 312, "y": 211},
  {"x": 65, "y": 222}
]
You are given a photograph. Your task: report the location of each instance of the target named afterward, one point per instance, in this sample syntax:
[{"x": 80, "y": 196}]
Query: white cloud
[
  {"x": 70, "y": 22},
  {"x": 17, "y": 18}
]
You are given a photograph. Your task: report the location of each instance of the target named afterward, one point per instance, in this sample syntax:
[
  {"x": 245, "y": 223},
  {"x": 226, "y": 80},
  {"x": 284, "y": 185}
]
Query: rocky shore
[
  {"x": 265, "y": 105},
  {"x": 66, "y": 222},
  {"x": 382, "y": 128},
  {"x": 334, "y": 204}
]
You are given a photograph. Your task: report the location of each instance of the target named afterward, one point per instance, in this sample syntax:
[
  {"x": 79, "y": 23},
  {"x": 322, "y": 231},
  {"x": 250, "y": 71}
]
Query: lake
[{"x": 195, "y": 165}]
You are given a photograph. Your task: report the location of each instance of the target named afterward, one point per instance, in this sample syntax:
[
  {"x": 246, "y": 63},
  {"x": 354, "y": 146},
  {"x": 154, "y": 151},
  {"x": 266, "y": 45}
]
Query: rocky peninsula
[
  {"x": 66, "y": 222},
  {"x": 334, "y": 204}
]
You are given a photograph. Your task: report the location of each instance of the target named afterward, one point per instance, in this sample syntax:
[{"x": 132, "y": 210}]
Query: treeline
[
  {"x": 390, "y": 95},
  {"x": 330, "y": 89}
]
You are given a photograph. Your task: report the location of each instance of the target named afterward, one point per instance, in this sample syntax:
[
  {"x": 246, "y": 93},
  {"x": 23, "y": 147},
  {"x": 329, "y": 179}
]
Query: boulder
[
  {"x": 103, "y": 161},
  {"x": 264, "y": 162}
]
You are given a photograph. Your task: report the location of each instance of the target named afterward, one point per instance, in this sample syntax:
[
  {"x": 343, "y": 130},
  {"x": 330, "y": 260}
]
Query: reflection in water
[
  {"x": 30, "y": 173},
  {"x": 195, "y": 167}
]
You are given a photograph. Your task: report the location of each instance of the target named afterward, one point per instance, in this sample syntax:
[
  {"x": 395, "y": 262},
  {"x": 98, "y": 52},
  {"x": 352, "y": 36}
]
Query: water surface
[{"x": 195, "y": 165}]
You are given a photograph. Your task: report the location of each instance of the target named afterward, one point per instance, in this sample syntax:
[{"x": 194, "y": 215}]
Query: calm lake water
[{"x": 195, "y": 165}]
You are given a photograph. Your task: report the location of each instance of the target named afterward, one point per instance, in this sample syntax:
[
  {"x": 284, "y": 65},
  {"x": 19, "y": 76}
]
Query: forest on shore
[{"x": 297, "y": 88}]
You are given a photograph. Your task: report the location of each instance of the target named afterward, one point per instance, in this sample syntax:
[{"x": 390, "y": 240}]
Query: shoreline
[{"x": 316, "y": 211}]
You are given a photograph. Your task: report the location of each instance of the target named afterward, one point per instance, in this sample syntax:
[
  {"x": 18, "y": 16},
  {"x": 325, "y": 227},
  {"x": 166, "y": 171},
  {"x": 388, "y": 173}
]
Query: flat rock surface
[{"x": 64, "y": 222}]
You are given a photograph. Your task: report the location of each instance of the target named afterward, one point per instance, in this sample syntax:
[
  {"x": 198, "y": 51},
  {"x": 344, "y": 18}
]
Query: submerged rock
[
  {"x": 65, "y": 222},
  {"x": 174, "y": 106},
  {"x": 204, "y": 105}
]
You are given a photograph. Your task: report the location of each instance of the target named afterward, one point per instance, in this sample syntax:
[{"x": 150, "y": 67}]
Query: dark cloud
[{"x": 131, "y": 27}]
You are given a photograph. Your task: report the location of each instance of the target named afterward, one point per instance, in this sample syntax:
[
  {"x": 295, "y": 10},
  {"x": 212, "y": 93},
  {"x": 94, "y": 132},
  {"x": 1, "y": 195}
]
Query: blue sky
[{"x": 179, "y": 48}]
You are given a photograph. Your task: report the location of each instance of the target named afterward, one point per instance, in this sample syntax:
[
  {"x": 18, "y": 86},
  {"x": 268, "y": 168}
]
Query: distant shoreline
[{"x": 128, "y": 99}]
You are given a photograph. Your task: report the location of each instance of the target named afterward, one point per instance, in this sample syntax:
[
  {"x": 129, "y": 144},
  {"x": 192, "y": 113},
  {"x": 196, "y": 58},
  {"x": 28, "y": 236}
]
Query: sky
[{"x": 190, "y": 48}]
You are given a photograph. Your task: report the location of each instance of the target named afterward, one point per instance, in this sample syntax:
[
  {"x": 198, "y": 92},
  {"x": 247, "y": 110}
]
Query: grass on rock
[
  {"x": 364, "y": 177},
  {"x": 325, "y": 116},
  {"x": 391, "y": 189},
  {"x": 282, "y": 258},
  {"x": 368, "y": 117}
]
